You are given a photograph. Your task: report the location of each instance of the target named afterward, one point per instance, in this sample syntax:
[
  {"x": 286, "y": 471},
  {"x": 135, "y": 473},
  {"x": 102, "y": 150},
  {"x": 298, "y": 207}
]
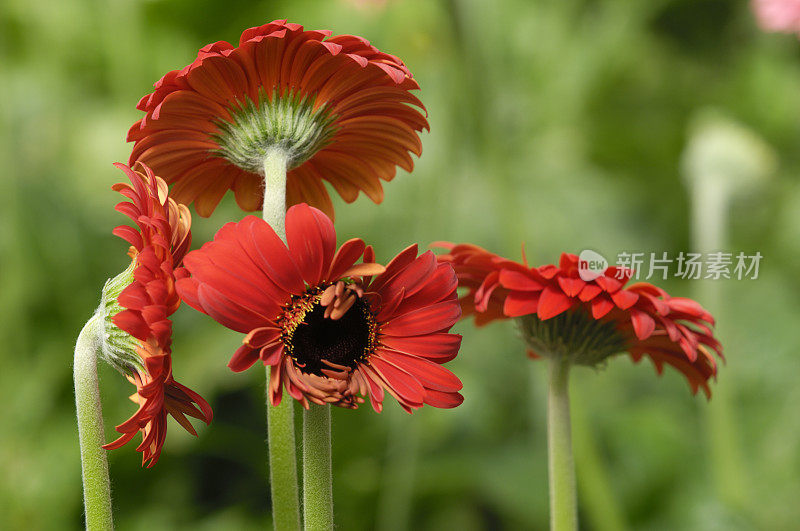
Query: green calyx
[
  {"x": 118, "y": 347},
  {"x": 285, "y": 121},
  {"x": 574, "y": 336}
]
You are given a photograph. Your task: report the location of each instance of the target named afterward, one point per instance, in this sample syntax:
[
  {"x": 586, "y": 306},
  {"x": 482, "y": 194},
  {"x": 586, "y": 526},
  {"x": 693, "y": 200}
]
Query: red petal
[
  {"x": 130, "y": 235},
  {"x": 227, "y": 312},
  {"x": 234, "y": 282},
  {"x": 601, "y": 306},
  {"x": 134, "y": 297},
  {"x": 443, "y": 400},
  {"x": 258, "y": 337},
  {"x": 346, "y": 256},
  {"x": 132, "y": 322},
  {"x": 399, "y": 382},
  {"x": 269, "y": 252},
  {"x": 438, "y": 287},
  {"x": 518, "y": 281},
  {"x": 312, "y": 241},
  {"x": 440, "y": 347},
  {"x": 435, "y": 318},
  {"x": 552, "y": 302},
  {"x": 272, "y": 354},
  {"x": 571, "y": 286},
  {"x": 521, "y": 303},
  {"x": 187, "y": 290},
  {"x": 608, "y": 283},
  {"x": 429, "y": 374},
  {"x": 243, "y": 358},
  {"x": 412, "y": 277},
  {"x": 624, "y": 299},
  {"x": 589, "y": 292},
  {"x": 397, "y": 264},
  {"x": 643, "y": 324}
]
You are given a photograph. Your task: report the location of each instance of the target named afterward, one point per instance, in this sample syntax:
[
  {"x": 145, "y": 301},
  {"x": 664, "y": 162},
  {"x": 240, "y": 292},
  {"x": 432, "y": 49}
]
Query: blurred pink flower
[{"x": 778, "y": 15}]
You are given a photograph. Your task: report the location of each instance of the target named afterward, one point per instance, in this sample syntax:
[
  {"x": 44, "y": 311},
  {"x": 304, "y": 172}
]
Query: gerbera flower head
[
  {"x": 137, "y": 305},
  {"x": 339, "y": 110},
  {"x": 333, "y": 331},
  {"x": 586, "y": 321}
]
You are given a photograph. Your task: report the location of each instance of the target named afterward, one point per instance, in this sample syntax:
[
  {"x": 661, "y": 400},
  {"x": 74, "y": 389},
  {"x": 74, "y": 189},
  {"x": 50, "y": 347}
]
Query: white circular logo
[{"x": 591, "y": 265}]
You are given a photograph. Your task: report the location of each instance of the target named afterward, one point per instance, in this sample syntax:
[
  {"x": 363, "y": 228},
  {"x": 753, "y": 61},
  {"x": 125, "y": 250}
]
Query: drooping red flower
[
  {"x": 586, "y": 321},
  {"x": 158, "y": 245},
  {"x": 332, "y": 331},
  {"x": 341, "y": 109}
]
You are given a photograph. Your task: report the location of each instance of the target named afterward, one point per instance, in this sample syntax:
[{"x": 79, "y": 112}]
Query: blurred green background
[{"x": 557, "y": 124}]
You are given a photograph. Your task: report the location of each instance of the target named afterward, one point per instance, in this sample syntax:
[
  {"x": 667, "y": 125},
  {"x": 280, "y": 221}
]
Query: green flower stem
[
  {"x": 561, "y": 467},
  {"x": 283, "y": 465},
  {"x": 276, "y": 163},
  {"x": 280, "y": 419},
  {"x": 94, "y": 466},
  {"x": 710, "y": 206},
  {"x": 600, "y": 506},
  {"x": 317, "y": 475},
  {"x": 396, "y": 495}
]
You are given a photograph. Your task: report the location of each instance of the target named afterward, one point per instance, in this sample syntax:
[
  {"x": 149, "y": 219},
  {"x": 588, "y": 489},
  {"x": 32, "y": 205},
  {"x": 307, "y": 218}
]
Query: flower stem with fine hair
[
  {"x": 561, "y": 466},
  {"x": 280, "y": 418},
  {"x": 94, "y": 466},
  {"x": 317, "y": 474}
]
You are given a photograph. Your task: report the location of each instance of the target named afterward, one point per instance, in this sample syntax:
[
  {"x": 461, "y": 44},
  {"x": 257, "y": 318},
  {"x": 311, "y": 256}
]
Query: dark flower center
[
  {"x": 573, "y": 335},
  {"x": 282, "y": 120},
  {"x": 345, "y": 341}
]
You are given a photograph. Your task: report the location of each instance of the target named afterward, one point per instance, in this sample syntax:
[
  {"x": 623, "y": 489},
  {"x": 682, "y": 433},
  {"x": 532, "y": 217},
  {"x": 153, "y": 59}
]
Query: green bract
[
  {"x": 283, "y": 120},
  {"x": 118, "y": 347},
  {"x": 574, "y": 336}
]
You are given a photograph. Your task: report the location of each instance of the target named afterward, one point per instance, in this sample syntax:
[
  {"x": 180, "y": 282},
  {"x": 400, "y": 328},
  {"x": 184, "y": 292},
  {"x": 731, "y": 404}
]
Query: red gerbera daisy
[
  {"x": 149, "y": 298},
  {"x": 338, "y": 109},
  {"x": 562, "y": 315},
  {"x": 332, "y": 331}
]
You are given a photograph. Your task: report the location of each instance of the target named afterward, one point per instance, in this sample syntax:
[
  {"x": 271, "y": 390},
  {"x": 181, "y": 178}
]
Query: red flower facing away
[
  {"x": 340, "y": 109},
  {"x": 158, "y": 245},
  {"x": 332, "y": 330},
  {"x": 562, "y": 315}
]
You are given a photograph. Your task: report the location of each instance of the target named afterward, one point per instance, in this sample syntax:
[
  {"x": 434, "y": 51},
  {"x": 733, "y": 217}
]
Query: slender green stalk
[
  {"x": 600, "y": 506},
  {"x": 317, "y": 474},
  {"x": 722, "y": 161},
  {"x": 280, "y": 419},
  {"x": 561, "y": 467},
  {"x": 94, "y": 466},
  {"x": 710, "y": 206},
  {"x": 396, "y": 496}
]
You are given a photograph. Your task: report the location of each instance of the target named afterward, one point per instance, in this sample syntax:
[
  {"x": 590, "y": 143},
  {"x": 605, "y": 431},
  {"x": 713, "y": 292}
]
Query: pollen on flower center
[
  {"x": 281, "y": 120},
  {"x": 573, "y": 335},
  {"x": 315, "y": 337}
]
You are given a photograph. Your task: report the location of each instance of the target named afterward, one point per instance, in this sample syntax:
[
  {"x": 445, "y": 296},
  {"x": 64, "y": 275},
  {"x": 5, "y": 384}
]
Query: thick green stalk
[
  {"x": 317, "y": 474},
  {"x": 280, "y": 419},
  {"x": 94, "y": 466},
  {"x": 274, "y": 208},
  {"x": 561, "y": 467}
]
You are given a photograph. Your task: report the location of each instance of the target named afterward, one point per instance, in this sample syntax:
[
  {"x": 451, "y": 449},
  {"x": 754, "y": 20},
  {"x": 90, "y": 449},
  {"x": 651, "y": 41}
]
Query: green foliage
[{"x": 557, "y": 124}]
